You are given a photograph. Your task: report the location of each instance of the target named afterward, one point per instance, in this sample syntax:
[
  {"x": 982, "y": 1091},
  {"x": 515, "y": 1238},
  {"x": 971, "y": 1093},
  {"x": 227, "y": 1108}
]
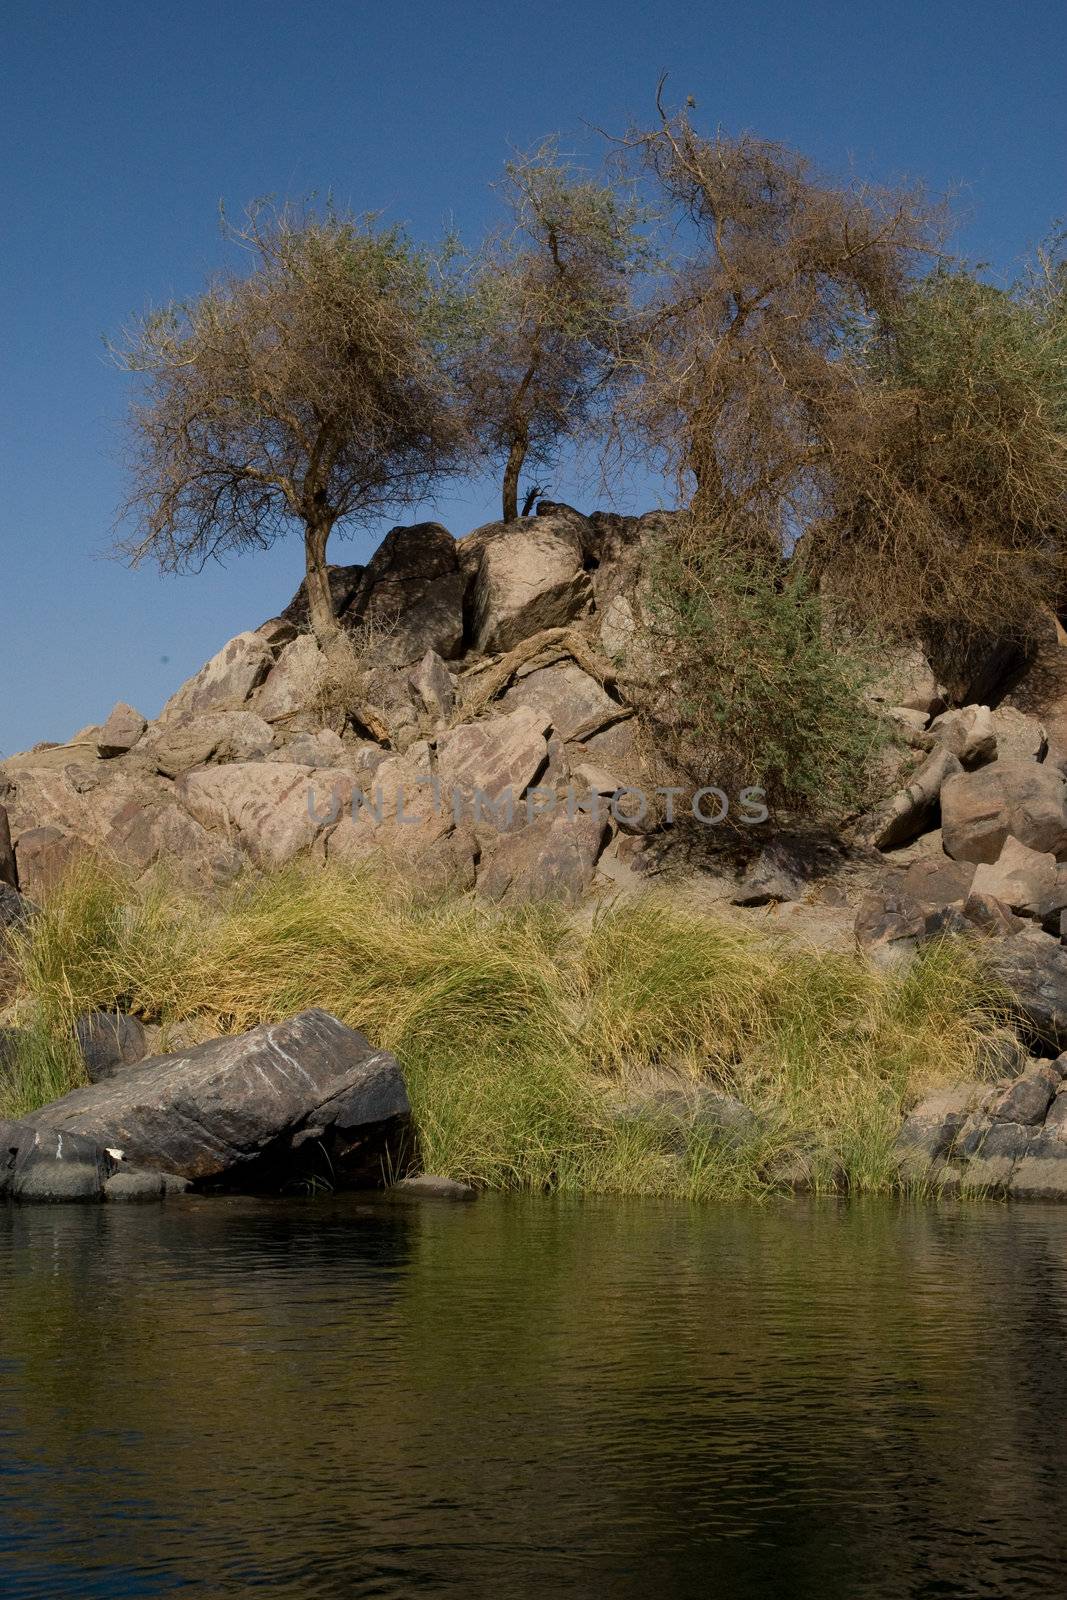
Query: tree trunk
[
  {"x": 516, "y": 458},
  {"x": 324, "y": 624}
]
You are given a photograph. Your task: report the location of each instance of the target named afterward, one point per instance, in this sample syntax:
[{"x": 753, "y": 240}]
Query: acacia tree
[
  {"x": 545, "y": 312},
  {"x": 748, "y": 392},
  {"x": 751, "y": 392},
  {"x": 309, "y": 393},
  {"x": 955, "y": 525}
]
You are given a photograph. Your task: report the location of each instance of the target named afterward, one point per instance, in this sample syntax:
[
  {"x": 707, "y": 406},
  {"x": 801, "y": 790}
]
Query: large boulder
[
  {"x": 532, "y": 577},
  {"x": 323, "y": 748},
  {"x": 141, "y": 836},
  {"x": 109, "y": 1041},
  {"x": 121, "y": 731},
  {"x": 1029, "y": 882},
  {"x": 344, "y": 585},
  {"x": 45, "y": 856},
  {"x": 190, "y": 738},
  {"x": 569, "y": 698},
  {"x": 552, "y": 858},
  {"x": 433, "y": 687},
  {"x": 228, "y": 680},
  {"x": 272, "y": 810},
  {"x": 410, "y": 598},
  {"x": 913, "y": 809},
  {"x": 980, "y": 809},
  {"x": 1033, "y": 968},
  {"x": 498, "y": 758},
  {"x": 969, "y": 734},
  {"x": 294, "y": 683},
  {"x": 42, "y": 1164},
  {"x": 249, "y": 1111},
  {"x": 397, "y": 809}
]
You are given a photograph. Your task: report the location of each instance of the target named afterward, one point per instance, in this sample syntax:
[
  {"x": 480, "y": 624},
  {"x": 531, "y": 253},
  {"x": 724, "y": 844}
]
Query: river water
[{"x": 518, "y": 1398}]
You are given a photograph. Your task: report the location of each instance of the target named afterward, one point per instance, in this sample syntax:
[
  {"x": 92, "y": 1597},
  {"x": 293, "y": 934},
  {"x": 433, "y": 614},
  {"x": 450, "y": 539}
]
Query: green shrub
[{"x": 754, "y": 690}]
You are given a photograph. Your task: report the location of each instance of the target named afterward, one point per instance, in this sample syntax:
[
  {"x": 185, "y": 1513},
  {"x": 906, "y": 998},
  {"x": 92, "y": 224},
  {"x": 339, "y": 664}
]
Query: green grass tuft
[{"x": 520, "y": 1033}]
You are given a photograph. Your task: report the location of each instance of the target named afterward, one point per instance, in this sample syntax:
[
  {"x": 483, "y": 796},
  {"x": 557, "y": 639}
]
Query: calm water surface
[{"x": 527, "y": 1398}]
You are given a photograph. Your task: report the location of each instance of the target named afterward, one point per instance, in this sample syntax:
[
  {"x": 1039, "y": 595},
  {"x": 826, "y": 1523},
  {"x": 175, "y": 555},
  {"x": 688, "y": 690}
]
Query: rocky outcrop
[
  {"x": 121, "y": 731},
  {"x": 227, "y": 681},
  {"x": 273, "y": 811},
  {"x": 249, "y": 1112},
  {"x": 552, "y": 858},
  {"x": 530, "y": 576},
  {"x": 192, "y": 738},
  {"x": 410, "y": 598},
  {"x": 1014, "y": 796},
  {"x": 1008, "y": 1139}
]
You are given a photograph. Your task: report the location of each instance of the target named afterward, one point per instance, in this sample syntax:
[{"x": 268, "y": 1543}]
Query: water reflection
[{"x": 522, "y": 1397}]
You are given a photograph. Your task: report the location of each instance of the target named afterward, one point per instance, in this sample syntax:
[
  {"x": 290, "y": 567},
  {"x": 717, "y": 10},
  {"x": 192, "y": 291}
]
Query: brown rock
[
  {"x": 980, "y": 809},
  {"x": 938, "y": 881},
  {"x": 228, "y": 680},
  {"x": 121, "y": 731},
  {"x": 1022, "y": 879},
  {"x": 553, "y": 858},
  {"x": 499, "y": 757},
  {"x": 44, "y": 857},
  {"x": 273, "y": 811},
  {"x": 530, "y": 578},
  {"x": 433, "y": 687},
  {"x": 969, "y": 734},
  {"x": 188, "y": 739}
]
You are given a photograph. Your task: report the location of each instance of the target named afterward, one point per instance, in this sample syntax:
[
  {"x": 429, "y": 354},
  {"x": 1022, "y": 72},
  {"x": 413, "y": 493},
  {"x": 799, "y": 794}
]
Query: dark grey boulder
[
  {"x": 110, "y": 1041},
  {"x": 1041, "y": 1174},
  {"x": 251, "y": 1112},
  {"x": 1034, "y": 970},
  {"x": 137, "y": 1185},
  {"x": 44, "y": 1165},
  {"x": 1027, "y": 1099},
  {"x": 930, "y": 1130}
]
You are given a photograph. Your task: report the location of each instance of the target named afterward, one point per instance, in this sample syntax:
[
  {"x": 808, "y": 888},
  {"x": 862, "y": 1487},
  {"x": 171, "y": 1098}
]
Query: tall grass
[{"x": 519, "y": 1033}]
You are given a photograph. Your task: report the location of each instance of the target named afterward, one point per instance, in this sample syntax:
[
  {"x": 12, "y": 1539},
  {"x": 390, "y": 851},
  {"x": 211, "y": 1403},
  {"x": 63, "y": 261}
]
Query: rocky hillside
[
  {"x": 477, "y": 729},
  {"x": 480, "y": 730},
  {"x": 487, "y": 664}
]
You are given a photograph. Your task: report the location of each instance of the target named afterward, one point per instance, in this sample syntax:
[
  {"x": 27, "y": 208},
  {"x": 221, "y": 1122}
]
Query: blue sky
[{"x": 123, "y": 126}]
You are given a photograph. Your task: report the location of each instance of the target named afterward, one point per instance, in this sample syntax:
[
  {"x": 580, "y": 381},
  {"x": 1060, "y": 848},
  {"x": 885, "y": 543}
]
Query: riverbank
[{"x": 642, "y": 1051}]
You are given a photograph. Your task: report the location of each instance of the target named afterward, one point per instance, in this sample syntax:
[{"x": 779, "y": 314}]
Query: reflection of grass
[{"x": 517, "y": 1031}]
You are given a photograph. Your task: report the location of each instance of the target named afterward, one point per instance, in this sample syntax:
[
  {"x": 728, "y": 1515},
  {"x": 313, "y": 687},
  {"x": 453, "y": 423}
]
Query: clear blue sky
[{"x": 125, "y": 124}]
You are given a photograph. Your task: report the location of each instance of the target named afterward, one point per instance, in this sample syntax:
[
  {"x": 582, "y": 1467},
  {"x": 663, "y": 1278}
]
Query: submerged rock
[{"x": 427, "y": 1185}]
